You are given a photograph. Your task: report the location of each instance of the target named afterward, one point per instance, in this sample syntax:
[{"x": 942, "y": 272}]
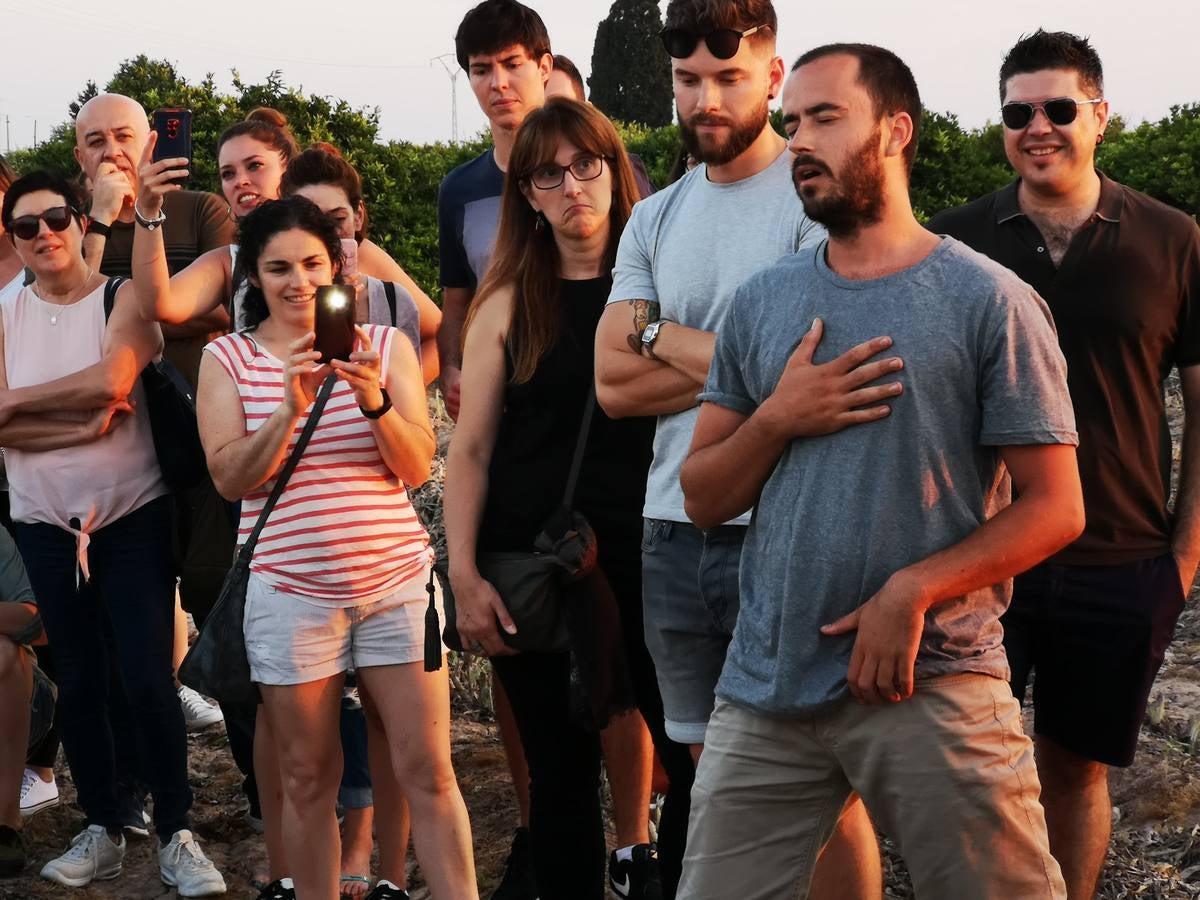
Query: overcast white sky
[{"x": 382, "y": 56}]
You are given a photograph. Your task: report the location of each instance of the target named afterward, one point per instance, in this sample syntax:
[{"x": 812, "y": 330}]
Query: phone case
[
  {"x": 334, "y": 322},
  {"x": 174, "y": 128}
]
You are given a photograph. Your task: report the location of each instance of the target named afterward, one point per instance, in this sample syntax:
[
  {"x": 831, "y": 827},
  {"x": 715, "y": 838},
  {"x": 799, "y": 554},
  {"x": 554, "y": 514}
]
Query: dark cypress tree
[{"x": 631, "y": 73}]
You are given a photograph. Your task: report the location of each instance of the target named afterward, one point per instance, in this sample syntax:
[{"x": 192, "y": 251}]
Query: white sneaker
[
  {"x": 92, "y": 855},
  {"x": 36, "y": 794},
  {"x": 183, "y": 865},
  {"x": 198, "y": 713}
]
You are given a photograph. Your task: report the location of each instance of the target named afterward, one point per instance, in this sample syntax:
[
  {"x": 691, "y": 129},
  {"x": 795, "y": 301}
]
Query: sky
[{"x": 386, "y": 55}]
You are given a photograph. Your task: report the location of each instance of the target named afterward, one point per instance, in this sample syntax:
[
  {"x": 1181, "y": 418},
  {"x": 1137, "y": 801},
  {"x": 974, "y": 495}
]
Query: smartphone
[
  {"x": 349, "y": 259},
  {"x": 174, "y": 128},
  {"x": 334, "y": 322}
]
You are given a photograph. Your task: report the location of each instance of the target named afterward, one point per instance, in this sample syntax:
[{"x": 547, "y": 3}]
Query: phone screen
[
  {"x": 334, "y": 324},
  {"x": 174, "y": 128}
]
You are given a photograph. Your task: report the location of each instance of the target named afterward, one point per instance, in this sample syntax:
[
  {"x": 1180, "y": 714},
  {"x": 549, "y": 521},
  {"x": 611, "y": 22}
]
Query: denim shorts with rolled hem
[
  {"x": 292, "y": 639},
  {"x": 690, "y": 603}
]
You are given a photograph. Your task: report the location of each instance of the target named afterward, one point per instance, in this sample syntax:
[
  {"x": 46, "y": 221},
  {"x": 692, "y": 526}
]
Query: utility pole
[
  {"x": 451, "y": 71},
  {"x": 7, "y": 136},
  {"x": 35, "y": 134}
]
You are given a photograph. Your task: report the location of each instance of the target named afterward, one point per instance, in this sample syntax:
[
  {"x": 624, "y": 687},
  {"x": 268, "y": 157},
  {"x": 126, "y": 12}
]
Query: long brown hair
[{"x": 525, "y": 257}]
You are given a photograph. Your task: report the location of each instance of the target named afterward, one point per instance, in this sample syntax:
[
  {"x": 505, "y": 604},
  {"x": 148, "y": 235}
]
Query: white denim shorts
[{"x": 293, "y": 639}]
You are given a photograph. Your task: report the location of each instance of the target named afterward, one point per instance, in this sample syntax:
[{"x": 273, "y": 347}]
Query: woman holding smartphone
[
  {"x": 343, "y": 589},
  {"x": 527, "y": 372}
]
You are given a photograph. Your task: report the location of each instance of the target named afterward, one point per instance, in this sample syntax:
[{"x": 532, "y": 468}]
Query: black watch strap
[
  {"x": 99, "y": 228},
  {"x": 384, "y": 407}
]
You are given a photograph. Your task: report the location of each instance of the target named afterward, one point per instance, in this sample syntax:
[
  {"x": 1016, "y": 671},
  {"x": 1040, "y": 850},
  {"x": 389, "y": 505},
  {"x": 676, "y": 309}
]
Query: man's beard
[
  {"x": 856, "y": 200},
  {"x": 715, "y": 151}
]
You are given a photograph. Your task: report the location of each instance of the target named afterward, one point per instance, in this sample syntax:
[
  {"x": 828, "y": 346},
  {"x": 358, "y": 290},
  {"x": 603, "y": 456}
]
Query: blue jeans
[
  {"x": 133, "y": 584},
  {"x": 690, "y": 594}
]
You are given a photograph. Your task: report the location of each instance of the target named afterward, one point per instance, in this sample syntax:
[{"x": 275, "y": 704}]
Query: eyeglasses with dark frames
[
  {"x": 585, "y": 167},
  {"x": 722, "y": 43}
]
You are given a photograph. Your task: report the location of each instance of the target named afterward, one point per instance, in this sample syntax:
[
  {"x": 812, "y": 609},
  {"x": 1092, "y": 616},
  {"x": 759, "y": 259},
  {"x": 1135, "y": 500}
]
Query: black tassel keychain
[{"x": 433, "y": 630}]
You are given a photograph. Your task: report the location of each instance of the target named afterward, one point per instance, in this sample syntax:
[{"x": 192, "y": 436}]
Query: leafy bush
[{"x": 401, "y": 179}]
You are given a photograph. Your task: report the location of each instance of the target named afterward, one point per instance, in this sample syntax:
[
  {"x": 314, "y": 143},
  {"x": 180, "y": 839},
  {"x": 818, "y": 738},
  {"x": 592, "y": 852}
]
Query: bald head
[{"x": 110, "y": 128}]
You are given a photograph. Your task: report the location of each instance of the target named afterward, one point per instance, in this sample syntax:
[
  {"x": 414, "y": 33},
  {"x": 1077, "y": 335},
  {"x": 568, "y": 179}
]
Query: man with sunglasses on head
[
  {"x": 682, "y": 255},
  {"x": 1121, "y": 275}
]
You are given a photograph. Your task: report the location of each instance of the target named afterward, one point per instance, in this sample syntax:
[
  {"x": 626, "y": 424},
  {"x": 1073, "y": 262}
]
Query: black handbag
[
  {"x": 531, "y": 583},
  {"x": 172, "y": 410},
  {"x": 216, "y": 665}
]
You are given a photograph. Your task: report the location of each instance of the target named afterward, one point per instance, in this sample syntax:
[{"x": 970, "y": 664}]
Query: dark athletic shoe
[
  {"x": 518, "y": 882},
  {"x": 387, "y": 892},
  {"x": 636, "y": 878},
  {"x": 12, "y": 853},
  {"x": 277, "y": 891}
]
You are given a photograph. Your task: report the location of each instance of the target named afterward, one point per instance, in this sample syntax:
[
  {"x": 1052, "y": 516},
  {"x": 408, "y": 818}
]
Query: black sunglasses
[
  {"x": 57, "y": 218},
  {"x": 1061, "y": 111},
  {"x": 722, "y": 43}
]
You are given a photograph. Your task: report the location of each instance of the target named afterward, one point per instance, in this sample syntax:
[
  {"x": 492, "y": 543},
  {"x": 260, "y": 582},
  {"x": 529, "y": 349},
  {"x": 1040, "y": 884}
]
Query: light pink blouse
[{"x": 98, "y": 482}]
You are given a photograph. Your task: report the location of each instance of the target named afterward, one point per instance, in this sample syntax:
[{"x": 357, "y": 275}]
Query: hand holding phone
[
  {"x": 174, "y": 128},
  {"x": 334, "y": 322}
]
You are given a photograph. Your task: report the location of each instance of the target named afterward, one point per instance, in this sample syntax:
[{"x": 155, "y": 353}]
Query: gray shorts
[
  {"x": 292, "y": 639},
  {"x": 690, "y": 602}
]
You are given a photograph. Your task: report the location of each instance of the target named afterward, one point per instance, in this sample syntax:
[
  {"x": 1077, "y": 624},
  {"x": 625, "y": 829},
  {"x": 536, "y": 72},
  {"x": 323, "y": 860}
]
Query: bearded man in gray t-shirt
[
  {"x": 682, "y": 255},
  {"x": 867, "y": 655}
]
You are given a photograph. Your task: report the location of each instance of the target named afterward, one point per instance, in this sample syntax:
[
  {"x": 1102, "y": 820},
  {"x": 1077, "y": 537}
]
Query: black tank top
[{"x": 538, "y": 430}]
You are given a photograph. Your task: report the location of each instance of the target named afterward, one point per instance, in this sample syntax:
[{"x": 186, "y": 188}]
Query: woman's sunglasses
[
  {"x": 1061, "y": 111},
  {"x": 722, "y": 43},
  {"x": 57, "y": 218}
]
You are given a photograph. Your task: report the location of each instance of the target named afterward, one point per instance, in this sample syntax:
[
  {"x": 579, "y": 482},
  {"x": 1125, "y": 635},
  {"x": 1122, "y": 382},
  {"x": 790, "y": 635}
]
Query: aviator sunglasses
[
  {"x": 57, "y": 218},
  {"x": 1061, "y": 111},
  {"x": 722, "y": 43}
]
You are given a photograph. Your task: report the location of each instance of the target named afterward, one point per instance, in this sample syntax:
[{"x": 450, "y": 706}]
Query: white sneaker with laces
[
  {"x": 198, "y": 713},
  {"x": 183, "y": 865},
  {"x": 36, "y": 794},
  {"x": 91, "y": 856}
]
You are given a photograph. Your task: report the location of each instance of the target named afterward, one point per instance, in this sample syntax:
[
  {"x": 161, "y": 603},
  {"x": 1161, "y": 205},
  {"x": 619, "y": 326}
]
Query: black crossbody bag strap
[
  {"x": 110, "y": 294},
  {"x": 290, "y": 466},
  {"x": 585, "y": 426},
  {"x": 389, "y": 291}
]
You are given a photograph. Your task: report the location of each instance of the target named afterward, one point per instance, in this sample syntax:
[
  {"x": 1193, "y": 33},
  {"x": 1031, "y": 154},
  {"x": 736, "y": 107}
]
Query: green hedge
[{"x": 401, "y": 180}]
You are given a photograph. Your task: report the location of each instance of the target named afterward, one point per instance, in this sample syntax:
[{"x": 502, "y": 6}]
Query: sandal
[{"x": 354, "y": 879}]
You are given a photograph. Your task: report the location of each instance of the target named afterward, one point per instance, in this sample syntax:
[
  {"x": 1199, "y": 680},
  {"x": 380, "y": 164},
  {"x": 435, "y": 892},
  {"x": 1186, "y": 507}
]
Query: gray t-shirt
[
  {"x": 688, "y": 248},
  {"x": 843, "y": 512}
]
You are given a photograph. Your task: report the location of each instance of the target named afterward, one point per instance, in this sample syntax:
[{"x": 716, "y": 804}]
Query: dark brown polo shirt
[{"x": 1126, "y": 302}]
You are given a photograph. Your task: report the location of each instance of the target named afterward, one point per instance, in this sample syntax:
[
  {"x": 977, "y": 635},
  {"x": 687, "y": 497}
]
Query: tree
[{"x": 631, "y": 75}]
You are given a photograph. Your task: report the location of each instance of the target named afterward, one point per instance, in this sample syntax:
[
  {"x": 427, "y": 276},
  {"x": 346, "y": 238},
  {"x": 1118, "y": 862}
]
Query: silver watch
[
  {"x": 149, "y": 224},
  {"x": 650, "y": 335}
]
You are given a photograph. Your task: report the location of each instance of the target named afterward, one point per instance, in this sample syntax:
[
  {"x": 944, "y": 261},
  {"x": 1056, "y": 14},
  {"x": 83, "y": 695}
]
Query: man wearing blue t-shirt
[
  {"x": 865, "y": 397},
  {"x": 505, "y": 50}
]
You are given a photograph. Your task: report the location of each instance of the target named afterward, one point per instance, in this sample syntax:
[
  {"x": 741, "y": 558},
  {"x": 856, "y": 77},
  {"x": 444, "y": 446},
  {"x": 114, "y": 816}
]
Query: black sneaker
[
  {"x": 636, "y": 878},
  {"x": 518, "y": 882},
  {"x": 277, "y": 890},
  {"x": 12, "y": 852},
  {"x": 383, "y": 891}
]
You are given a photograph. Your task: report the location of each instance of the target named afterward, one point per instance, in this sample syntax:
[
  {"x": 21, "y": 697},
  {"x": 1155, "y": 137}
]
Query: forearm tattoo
[{"x": 644, "y": 312}]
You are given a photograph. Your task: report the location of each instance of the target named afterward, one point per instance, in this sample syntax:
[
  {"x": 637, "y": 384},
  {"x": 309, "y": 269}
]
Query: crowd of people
[{"x": 830, "y": 484}]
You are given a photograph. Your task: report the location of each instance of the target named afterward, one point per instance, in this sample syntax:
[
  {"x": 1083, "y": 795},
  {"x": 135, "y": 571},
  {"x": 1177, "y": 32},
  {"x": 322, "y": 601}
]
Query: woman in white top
[{"x": 92, "y": 520}]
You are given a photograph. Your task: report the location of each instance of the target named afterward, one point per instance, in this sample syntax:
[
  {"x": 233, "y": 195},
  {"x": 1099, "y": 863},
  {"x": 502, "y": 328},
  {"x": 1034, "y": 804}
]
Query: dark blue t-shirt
[{"x": 468, "y": 212}]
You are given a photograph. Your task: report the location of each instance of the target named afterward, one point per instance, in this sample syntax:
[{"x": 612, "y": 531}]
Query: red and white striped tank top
[{"x": 343, "y": 532}]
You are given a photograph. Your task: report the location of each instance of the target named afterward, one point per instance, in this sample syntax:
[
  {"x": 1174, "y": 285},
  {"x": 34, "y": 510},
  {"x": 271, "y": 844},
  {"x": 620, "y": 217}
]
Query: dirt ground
[{"x": 1155, "y": 851}]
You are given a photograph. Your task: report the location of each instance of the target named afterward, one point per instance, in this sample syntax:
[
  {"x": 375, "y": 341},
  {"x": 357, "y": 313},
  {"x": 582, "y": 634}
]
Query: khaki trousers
[{"x": 947, "y": 774}]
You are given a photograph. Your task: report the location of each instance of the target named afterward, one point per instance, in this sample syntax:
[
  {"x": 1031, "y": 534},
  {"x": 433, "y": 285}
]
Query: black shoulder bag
[
  {"x": 172, "y": 410},
  {"x": 530, "y": 583},
  {"x": 217, "y": 665}
]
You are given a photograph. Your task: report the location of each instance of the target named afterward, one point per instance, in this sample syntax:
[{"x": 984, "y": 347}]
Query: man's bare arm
[
  {"x": 629, "y": 383},
  {"x": 1046, "y": 516},
  {"x": 1185, "y": 534}
]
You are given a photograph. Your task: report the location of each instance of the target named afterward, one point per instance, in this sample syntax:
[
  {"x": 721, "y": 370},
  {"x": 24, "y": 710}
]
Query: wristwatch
[
  {"x": 383, "y": 408},
  {"x": 99, "y": 228},
  {"x": 650, "y": 335},
  {"x": 149, "y": 224}
]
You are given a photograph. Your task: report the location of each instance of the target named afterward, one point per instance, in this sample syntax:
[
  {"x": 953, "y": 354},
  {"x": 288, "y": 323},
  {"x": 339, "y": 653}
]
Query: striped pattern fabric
[{"x": 343, "y": 531}]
